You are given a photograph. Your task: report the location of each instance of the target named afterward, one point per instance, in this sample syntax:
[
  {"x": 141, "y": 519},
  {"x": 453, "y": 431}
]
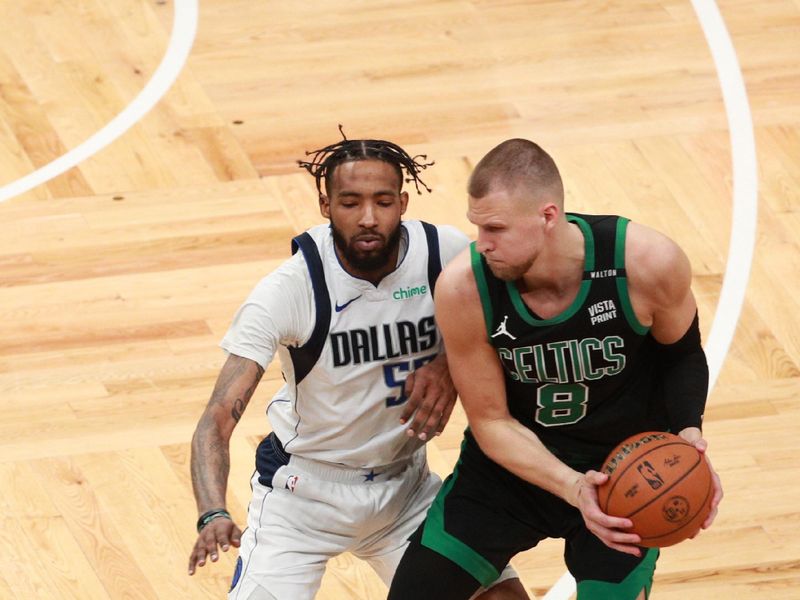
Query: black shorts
[{"x": 484, "y": 515}]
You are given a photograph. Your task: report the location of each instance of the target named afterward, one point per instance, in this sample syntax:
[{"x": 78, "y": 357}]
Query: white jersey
[{"x": 346, "y": 346}]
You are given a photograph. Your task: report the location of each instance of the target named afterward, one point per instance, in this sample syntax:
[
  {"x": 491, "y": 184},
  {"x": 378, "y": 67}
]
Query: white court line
[
  {"x": 745, "y": 186},
  {"x": 745, "y": 209},
  {"x": 184, "y": 28}
]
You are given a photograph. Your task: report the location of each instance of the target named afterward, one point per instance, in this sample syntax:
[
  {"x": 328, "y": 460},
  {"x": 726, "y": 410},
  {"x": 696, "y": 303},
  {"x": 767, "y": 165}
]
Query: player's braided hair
[{"x": 324, "y": 161}]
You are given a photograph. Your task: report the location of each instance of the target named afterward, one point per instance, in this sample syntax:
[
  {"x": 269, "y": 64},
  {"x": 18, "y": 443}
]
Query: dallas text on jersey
[{"x": 387, "y": 341}]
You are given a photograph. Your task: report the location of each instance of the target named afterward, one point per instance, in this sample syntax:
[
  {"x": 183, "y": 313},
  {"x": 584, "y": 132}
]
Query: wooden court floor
[{"x": 119, "y": 277}]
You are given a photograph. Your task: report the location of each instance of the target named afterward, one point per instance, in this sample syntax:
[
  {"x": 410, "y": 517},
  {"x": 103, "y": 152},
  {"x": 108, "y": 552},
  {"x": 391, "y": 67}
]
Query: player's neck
[{"x": 557, "y": 271}]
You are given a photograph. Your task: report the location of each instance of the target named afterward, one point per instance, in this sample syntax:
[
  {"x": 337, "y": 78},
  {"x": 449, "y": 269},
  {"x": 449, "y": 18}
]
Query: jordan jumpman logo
[{"x": 502, "y": 330}]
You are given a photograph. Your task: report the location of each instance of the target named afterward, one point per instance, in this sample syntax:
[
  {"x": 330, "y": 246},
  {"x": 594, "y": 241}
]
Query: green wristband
[{"x": 209, "y": 516}]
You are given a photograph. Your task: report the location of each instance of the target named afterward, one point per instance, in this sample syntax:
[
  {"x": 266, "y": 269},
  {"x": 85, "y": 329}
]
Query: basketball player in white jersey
[{"x": 351, "y": 317}]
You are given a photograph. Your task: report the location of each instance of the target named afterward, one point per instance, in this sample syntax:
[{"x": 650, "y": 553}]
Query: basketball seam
[
  {"x": 661, "y": 495},
  {"x": 703, "y": 503}
]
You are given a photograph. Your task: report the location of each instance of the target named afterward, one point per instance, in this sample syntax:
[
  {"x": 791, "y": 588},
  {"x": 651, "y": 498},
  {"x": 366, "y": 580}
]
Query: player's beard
[{"x": 371, "y": 260}]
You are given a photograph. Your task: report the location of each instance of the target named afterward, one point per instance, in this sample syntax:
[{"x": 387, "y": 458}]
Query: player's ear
[
  {"x": 325, "y": 206},
  {"x": 550, "y": 213},
  {"x": 403, "y": 202}
]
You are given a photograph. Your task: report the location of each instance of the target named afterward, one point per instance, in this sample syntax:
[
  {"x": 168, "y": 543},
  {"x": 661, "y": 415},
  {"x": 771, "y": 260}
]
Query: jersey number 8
[{"x": 561, "y": 403}]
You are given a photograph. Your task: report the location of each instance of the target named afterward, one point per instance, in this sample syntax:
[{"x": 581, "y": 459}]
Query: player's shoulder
[
  {"x": 451, "y": 241},
  {"x": 457, "y": 279},
  {"x": 652, "y": 249},
  {"x": 451, "y": 233},
  {"x": 655, "y": 261},
  {"x": 290, "y": 276},
  {"x": 445, "y": 233}
]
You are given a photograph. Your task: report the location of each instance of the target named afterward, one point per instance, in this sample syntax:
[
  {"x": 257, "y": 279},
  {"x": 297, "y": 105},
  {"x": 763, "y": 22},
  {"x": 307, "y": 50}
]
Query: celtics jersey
[{"x": 586, "y": 378}]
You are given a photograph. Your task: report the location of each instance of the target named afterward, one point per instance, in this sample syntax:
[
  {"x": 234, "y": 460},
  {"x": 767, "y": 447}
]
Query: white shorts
[{"x": 315, "y": 511}]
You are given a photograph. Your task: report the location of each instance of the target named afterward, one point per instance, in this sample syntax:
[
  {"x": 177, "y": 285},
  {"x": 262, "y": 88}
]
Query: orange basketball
[{"x": 661, "y": 483}]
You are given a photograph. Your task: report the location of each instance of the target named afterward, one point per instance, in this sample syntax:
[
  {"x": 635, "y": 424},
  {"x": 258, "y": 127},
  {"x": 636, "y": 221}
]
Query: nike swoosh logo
[{"x": 341, "y": 307}]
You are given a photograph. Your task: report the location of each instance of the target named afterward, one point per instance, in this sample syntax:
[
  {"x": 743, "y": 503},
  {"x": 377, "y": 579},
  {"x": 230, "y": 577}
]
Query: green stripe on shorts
[
  {"x": 641, "y": 578},
  {"x": 436, "y": 538}
]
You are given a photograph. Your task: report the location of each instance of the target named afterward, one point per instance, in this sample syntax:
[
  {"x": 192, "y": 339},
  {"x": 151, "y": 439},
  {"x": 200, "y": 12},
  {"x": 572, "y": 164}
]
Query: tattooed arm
[{"x": 211, "y": 456}]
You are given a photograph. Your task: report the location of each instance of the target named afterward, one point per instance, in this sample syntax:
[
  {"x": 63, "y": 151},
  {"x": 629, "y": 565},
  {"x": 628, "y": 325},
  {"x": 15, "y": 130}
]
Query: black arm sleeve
[{"x": 685, "y": 379}]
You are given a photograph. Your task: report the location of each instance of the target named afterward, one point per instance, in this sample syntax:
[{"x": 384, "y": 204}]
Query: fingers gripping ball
[{"x": 661, "y": 483}]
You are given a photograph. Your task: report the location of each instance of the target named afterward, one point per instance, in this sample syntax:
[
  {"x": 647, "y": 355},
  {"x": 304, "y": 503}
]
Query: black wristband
[
  {"x": 209, "y": 516},
  {"x": 685, "y": 379}
]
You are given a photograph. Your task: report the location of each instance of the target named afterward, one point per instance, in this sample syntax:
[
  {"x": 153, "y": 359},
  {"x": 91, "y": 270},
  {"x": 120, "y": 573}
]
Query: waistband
[
  {"x": 345, "y": 474},
  {"x": 272, "y": 456}
]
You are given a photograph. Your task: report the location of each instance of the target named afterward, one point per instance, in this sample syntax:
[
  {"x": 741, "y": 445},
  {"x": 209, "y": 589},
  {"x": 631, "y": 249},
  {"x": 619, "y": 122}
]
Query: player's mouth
[{"x": 368, "y": 243}]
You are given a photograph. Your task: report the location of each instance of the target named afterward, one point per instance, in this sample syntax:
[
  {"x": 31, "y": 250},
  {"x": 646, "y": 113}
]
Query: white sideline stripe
[
  {"x": 745, "y": 187},
  {"x": 184, "y": 28},
  {"x": 745, "y": 209}
]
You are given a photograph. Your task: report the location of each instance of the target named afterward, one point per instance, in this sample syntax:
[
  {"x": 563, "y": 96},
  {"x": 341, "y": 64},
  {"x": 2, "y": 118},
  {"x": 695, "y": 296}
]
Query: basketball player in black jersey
[{"x": 565, "y": 334}]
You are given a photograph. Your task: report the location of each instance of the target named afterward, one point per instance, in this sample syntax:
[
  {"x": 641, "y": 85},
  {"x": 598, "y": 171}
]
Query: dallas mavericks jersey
[
  {"x": 584, "y": 379},
  {"x": 345, "y": 373}
]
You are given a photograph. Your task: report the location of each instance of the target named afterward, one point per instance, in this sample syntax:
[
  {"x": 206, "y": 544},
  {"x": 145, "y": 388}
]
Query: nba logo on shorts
[{"x": 291, "y": 482}]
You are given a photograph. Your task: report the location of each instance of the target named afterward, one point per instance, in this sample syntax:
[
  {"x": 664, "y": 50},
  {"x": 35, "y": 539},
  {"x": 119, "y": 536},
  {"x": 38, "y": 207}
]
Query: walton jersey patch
[{"x": 602, "y": 274}]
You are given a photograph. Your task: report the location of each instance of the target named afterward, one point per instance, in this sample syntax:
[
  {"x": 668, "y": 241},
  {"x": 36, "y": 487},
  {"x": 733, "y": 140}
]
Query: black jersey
[{"x": 585, "y": 379}]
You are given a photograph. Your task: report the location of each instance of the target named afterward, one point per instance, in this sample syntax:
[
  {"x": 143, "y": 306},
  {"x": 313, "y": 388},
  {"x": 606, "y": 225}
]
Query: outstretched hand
[
  {"x": 610, "y": 530},
  {"x": 431, "y": 398},
  {"x": 222, "y": 533}
]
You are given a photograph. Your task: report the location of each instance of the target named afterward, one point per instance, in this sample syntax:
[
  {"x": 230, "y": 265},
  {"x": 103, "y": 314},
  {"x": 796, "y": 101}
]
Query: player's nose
[
  {"x": 368, "y": 218},
  {"x": 483, "y": 243}
]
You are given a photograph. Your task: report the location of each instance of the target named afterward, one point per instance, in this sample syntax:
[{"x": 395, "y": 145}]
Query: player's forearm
[
  {"x": 210, "y": 461},
  {"x": 210, "y": 465},
  {"x": 518, "y": 449},
  {"x": 685, "y": 375}
]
